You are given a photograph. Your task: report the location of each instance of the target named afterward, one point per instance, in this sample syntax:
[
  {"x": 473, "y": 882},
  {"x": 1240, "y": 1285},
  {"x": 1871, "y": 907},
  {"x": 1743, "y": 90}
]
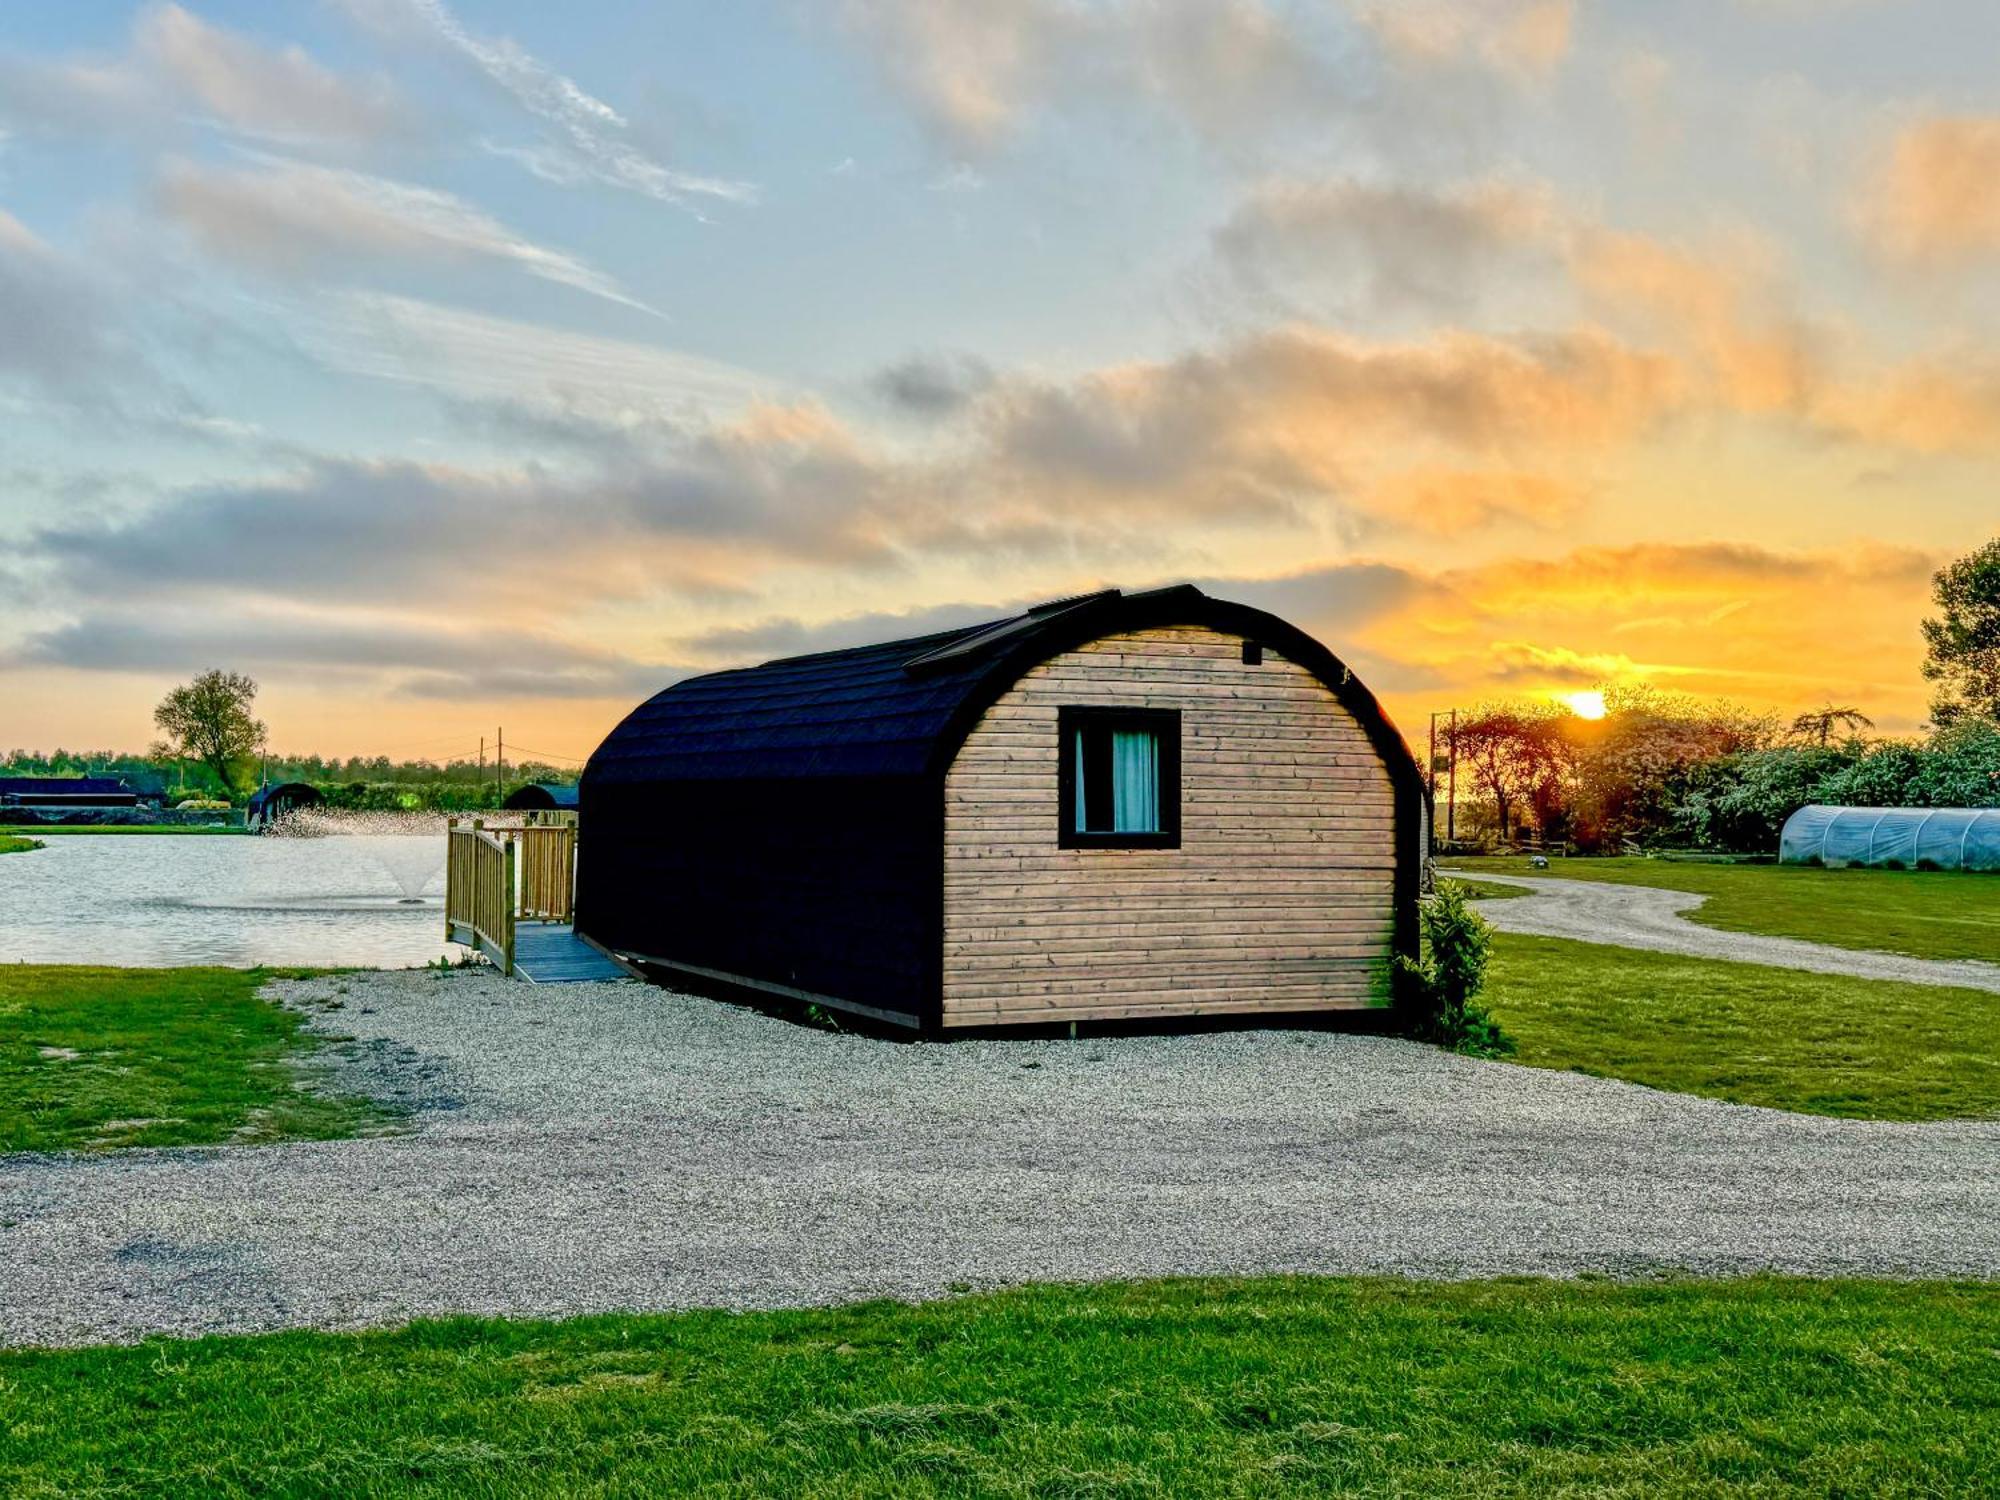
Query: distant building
[
  {"x": 271, "y": 802},
  {"x": 65, "y": 793},
  {"x": 543, "y": 796}
]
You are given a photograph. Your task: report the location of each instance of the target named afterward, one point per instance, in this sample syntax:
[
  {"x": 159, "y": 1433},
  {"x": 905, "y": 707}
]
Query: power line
[{"x": 520, "y": 750}]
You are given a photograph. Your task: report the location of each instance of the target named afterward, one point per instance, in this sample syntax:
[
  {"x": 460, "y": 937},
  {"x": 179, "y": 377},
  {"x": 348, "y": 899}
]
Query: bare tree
[
  {"x": 1820, "y": 724},
  {"x": 209, "y": 720}
]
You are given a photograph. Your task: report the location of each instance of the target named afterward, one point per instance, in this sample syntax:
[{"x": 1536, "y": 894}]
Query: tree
[
  {"x": 209, "y": 720},
  {"x": 1819, "y": 725},
  {"x": 1517, "y": 754},
  {"x": 1962, "y": 646}
]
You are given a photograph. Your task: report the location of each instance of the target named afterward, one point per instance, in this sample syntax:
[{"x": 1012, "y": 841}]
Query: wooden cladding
[{"x": 1279, "y": 898}]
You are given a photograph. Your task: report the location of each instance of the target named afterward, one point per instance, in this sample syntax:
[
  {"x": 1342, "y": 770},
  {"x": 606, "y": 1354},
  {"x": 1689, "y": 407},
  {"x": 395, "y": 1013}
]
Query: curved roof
[
  {"x": 1949, "y": 838},
  {"x": 297, "y": 793},
  {"x": 542, "y": 794},
  {"x": 901, "y": 708}
]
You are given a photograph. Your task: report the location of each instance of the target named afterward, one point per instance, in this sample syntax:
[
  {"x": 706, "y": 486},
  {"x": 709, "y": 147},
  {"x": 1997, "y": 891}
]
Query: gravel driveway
[
  {"x": 616, "y": 1146},
  {"x": 1644, "y": 916}
]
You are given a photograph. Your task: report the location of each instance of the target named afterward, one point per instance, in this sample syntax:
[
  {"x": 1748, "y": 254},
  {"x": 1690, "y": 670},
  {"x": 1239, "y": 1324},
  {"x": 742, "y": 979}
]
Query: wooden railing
[
  {"x": 495, "y": 877},
  {"x": 548, "y": 873},
  {"x": 479, "y": 892}
]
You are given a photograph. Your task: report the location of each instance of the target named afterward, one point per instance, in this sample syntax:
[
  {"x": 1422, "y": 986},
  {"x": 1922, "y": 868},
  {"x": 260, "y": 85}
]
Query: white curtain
[
  {"x": 1135, "y": 781},
  {"x": 1082, "y": 822}
]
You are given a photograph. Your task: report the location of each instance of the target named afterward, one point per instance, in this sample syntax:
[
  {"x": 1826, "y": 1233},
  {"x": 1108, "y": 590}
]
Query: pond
[{"x": 162, "y": 899}]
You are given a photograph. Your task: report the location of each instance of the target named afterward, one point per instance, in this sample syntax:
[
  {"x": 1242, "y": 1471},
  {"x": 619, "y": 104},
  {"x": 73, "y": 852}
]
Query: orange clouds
[
  {"x": 1719, "y": 303},
  {"x": 1526, "y": 37},
  {"x": 1764, "y": 627},
  {"x": 1937, "y": 199}
]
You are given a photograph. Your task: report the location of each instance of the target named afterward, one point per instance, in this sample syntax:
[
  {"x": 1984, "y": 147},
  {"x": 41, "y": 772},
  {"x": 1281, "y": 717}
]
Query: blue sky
[{"x": 446, "y": 364}]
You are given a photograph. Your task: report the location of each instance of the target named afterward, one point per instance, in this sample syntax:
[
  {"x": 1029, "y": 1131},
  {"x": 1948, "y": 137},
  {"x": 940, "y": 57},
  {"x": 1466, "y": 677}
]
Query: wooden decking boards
[{"x": 552, "y": 953}]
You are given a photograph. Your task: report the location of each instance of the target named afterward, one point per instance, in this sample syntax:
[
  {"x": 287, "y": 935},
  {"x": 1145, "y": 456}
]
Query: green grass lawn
[
  {"x": 95, "y": 1057},
  {"x": 1251, "y": 1388},
  {"x": 42, "y": 830},
  {"x": 1928, "y": 914},
  {"x": 1820, "y": 1043},
  {"x": 1486, "y": 890},
  {"x": 15, "y": 844}
]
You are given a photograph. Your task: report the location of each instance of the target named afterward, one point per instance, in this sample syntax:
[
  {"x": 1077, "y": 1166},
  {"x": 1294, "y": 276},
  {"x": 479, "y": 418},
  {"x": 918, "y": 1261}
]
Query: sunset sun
[{"x": 1588, "y": 704}]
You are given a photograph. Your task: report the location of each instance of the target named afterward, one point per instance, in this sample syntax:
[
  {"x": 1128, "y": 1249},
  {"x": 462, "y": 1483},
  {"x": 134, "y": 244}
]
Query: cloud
[
  {"x": 1453, "y": 502},
  {"x": 529, "y": 382},
  {"x": 1718, "y": 307},
  {"x": 1720, "y": 302},
  {"x": 1526, "y": 38},
  {"x": 1296, "y": 429},
  {"x": 783, "y": 482},
  {"x": 58, "y": 337},
  {"x": 933, "y": 385},
  {"x": 977, "y": 71},
  {"x": 176, "y": 62},
  {"x": 1395, "y": 246},
  {"x": 1930, "y": 404},
  {"x": 1934, "y": 202},
  {"x": 968, "y": 66},
  {"x": 288, "y": 216},
  {"x": 1301, "y": 416},
  {"x": 590, "y": 140},
  {"x": 281, "y": 94},
  {"x": 411, "y": 657}
]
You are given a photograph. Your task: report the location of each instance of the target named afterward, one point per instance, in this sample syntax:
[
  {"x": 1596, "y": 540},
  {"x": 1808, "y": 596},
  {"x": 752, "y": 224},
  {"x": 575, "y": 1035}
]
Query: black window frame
[{"x": 1165, "y": 725}]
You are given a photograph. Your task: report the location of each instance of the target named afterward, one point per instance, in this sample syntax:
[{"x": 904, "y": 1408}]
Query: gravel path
[
  {"x": 1644, "y": 916},
  {"x": 615, "y": 1146}
]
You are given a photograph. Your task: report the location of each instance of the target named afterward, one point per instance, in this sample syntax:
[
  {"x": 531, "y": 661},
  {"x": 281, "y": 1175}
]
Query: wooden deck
[{"x": 552, "y": 953}]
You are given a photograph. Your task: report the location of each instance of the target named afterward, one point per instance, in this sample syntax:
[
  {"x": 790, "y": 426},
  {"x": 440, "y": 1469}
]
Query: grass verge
[
  {"x": 98, "y": 1057},
  {"x": 14, "y": 844},
  {"x": 1193, "y": 1388},
  {"x": 1819, "y": 1043},
  {"x": 1486, "y": 890},
  {"x": 1924, "y": 913}
]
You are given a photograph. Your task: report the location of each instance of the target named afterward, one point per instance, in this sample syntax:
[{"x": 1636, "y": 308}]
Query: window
[{"x": 1121, "y": 778}]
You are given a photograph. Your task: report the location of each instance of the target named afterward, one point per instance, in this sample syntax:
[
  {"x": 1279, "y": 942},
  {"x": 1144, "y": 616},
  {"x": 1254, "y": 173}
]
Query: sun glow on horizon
[{"x": 1588, "y": 704}]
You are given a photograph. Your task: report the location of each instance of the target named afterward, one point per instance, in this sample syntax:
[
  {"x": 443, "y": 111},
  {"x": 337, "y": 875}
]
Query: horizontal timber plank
[
  {"x": 1224, "y": 1003},
  {"x": 1095, "y": 951},
  {"x": 1057, "y": 925},
  {"x": 979, "y": 903},
  {"x": 1177, "y": 973},
  {"x": 1214, "y": 989},
  {"x": 1192, "y": 865}
]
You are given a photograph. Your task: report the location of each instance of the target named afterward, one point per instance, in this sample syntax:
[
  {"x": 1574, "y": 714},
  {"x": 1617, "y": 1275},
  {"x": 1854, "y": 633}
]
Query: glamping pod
[
  {"x": 1910, "y": 838},
  {"x": 1115, "y": 807},
  {"x": 269, "y": 803},
  {"x": 542, "y": 796}
]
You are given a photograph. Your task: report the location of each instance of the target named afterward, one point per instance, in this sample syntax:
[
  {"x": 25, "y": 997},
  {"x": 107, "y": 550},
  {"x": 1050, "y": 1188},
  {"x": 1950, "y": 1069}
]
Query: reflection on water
[{"x": 149, "y": 899}]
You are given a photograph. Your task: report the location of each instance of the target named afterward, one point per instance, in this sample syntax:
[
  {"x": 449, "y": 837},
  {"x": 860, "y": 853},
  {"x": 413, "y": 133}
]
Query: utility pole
[
  {"x": 500, "y": 760},
  {"x": 482, "y": 758},
  {"x": 1431, "y": 781},
  {"x": 1451, "y": 796}
]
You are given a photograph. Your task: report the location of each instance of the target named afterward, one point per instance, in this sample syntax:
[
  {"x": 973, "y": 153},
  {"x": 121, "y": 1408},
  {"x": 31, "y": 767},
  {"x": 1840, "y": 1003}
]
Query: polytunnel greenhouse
[{"x": 1893, "y": 838}]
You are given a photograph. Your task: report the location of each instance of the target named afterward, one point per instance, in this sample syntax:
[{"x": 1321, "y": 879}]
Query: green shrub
[{"x": 1438, "y": 1000}]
